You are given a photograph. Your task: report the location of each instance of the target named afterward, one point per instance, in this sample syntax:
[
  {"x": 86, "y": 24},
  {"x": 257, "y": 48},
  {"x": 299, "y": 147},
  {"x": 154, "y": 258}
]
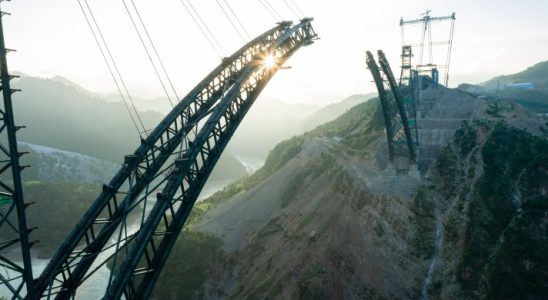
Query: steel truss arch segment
[
  {"x": 185, "y": 182},
  {"x": 383, "y": 95},
  {"x": 394, "y": 88},
  {"x": 144, "y": 171},
  {"x": 398, "y": 135}
]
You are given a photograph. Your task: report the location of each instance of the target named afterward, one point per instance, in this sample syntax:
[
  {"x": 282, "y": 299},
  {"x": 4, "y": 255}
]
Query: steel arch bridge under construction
[
  {"x": 398, "y": 133},
  {"x": 159, "y": 183}
]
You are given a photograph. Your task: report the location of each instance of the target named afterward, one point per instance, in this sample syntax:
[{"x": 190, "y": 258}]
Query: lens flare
[{"x": 269, "y": 61}]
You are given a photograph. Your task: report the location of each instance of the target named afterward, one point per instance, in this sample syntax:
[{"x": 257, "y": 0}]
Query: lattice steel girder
[
  {"x": 383, "y": 95},
  {"x": 144, "y": 262},
  {"x": 13, "y": 223},
  {"x": 144, "y": 166},
  {"x": 397, "y": 128},
  {"x": 385, "y": 66}
]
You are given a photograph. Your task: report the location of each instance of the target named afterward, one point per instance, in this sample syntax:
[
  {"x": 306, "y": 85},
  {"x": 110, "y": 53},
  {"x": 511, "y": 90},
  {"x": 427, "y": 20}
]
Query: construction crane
[{"x": 430, "y": 67}]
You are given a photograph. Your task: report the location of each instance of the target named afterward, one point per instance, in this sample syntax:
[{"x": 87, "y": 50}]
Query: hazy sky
[{"x": 492, "y": 37}]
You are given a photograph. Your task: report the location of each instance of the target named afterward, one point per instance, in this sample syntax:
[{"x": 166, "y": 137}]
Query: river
[{"x": 95, "y": 286}]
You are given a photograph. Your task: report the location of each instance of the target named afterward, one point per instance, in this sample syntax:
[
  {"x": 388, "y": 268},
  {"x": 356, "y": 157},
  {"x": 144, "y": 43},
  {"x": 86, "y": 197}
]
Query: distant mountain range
[
  {"x": 62, "y": 116},
  {"x": 80, "y": 126},
  {"x": 534, "y": 96},
  {"x": 537, "y": 74},
  {"x": 270, "y": 122},
  {"x": 76, "y": 140},
  {"x": 323, "y": 219},
  {"x": 70, "y": 130},
  {"x": 334, "y": 110}
]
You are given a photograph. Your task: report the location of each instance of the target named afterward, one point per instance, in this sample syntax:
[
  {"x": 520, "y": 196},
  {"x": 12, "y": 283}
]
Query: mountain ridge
[{"x": 278, "y": 233}]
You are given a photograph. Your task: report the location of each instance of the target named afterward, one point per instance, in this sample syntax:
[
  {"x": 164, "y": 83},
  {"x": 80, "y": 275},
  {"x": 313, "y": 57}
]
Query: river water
[{"x": 95, "y": 286}]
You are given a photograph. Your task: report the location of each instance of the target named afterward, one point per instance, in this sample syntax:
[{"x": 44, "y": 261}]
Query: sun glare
[{"x": 269, "y": 61}]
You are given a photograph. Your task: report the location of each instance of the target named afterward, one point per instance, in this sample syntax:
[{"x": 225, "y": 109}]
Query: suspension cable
[
  {"x": 155, "y": 51},
  {"x": 205, "y": 25},
  {"x": 116, "y": 68},
  {"x": 147, "y": 52},
  {"x": 204, "y": 33},
  {"x": 298, "y": 9},
  {"x": 274, "y": 10},
  {"x": 269, "y": 11},
  {"x": 238, "y": 20},
  {"x": 230, "y": 20},
  {"x": 110, "y": 68},
  {"x": 292, "y": 9}
]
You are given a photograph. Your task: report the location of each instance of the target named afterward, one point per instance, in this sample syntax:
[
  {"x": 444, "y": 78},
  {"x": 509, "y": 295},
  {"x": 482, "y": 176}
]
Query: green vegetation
[
  {"x": 191, "y": 259},
  {"x": 332, "y": 111},
  {"x": 447, "y": 172},
  {"x": 228, "y": 167},
  {"x": 99, "y": 122},
  {"x": 423, "y": 240},
  {"x": 517, "y": 270},
  {"x": 310, "y": 283},
  {"x": 292, "y": 188},
  {"x": 533, "y": 99},
  {"x": 466, "y": 138},
  {"x": 503, "y": 217},
  {"x": 355, "y": 126},
  {"x": 536, "y": 74},
  {"x": 56, "y": 208},
  {"x": 350, "y": 193},
  {"x": 494, "y": 109}
]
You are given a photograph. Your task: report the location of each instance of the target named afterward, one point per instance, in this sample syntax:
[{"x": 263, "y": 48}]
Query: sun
[{"x": 269, "y": 62}]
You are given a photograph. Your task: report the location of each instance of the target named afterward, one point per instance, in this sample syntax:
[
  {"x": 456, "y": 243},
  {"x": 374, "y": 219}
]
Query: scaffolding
[{"x": 432, "y": 66}]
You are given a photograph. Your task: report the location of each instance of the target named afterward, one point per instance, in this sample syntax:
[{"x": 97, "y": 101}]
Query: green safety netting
[
  {"x": 5, "y": 200},
  {"x": 407, "y": 100}
]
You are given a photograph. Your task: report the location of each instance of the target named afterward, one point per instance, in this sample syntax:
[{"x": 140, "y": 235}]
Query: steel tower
[{"x": 15, "y": 261}]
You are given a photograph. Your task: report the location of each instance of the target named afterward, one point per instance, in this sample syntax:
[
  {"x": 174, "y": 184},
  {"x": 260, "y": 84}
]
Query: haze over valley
[{"x": 291, "y": 149}]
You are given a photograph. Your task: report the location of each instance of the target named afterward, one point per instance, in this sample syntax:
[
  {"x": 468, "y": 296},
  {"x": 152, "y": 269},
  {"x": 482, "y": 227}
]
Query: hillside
[
  {"x": 75, "y": 142},
  {"x": 535, "y": 99},
  {"x": 71, "y": 129},
  {"x": 55, "y": 165},
  {"x": 537, "y": 74},
  {"x": 333, "y": 111},
  {"x": 55, "y": 207},
  {"x": 268, "y": 122},
  {"x": 62, "y": 116},
  {"x": 324, "y": 219},
  {"x": 490, "y": 185}
]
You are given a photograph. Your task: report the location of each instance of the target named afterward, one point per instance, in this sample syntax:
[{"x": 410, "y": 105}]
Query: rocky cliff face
[
  {"x": 325, "y": 219},
  {"x": 491, "y": 187}
]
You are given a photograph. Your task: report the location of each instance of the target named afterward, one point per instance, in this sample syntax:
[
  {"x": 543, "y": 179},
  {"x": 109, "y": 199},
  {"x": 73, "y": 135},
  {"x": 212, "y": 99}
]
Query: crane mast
[{"x": 431, "y": 67}]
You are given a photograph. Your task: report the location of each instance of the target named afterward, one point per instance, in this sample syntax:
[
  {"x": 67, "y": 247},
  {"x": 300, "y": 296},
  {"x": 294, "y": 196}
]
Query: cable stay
[
  {"x": 274, "y": 10},
  {"x": 238, "y": 20},
  {"x": 298, "y": 9},
  {"x": 203, "y": 27},
  {"x": 113, "y": 68},
  {"x": 147, "y": 50},
  {"x": 268, "y": 8},
  {"x": 156, "y": 51},
  {"x": 231, "y": 21},
  {"x": 292, "y": 9},
  {"x": 162, "y": 179}
]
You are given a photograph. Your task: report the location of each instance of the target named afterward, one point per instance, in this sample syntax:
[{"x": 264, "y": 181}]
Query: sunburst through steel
[{"x": 159, "y": 183}]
